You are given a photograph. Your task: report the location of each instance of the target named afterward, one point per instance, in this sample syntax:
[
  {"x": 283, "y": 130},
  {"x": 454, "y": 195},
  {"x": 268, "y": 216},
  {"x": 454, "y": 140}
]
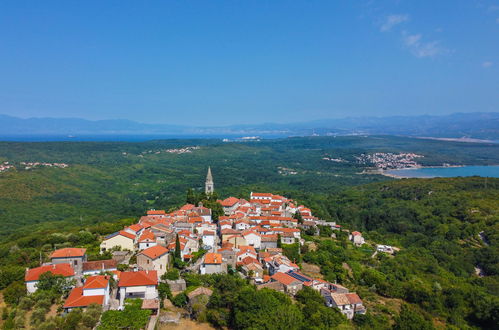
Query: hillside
[
  {"x": 436, "y": 223},
  {"x": 109, "y": 180}
]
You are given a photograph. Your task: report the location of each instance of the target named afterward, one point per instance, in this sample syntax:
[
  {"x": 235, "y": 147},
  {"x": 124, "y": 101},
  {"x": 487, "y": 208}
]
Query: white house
[
  {"x": 146, "y": 240},
  {"x": 94, "y": 291},
  {"x": 33, "y": 275},
  {"x": 252, "y": 239},
  {"x": 348, "y": 303},
  {"x": 141, "y": 284},
  {"x": 208, "y": 238},
  {"x": 356, "y": 238}
]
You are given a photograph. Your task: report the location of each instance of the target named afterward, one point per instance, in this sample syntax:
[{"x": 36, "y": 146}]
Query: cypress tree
[{"x": 177, "y": 248}]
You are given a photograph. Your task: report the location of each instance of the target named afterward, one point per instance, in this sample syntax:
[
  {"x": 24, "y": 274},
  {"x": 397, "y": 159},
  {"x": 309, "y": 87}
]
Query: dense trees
[
  {"x": 132, "y": 317},
  {"x": 442, "y": 227}
]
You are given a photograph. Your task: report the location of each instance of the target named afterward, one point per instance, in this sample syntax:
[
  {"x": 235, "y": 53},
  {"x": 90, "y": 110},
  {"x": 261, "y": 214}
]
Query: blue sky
[{"x": 232, "y": 62}]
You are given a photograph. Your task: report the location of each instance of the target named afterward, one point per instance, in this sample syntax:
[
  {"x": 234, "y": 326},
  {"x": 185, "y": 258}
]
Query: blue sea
[{"x": 447, "y": 172}]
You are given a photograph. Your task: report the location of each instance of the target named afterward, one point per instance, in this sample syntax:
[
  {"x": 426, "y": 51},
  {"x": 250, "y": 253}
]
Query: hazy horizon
[{"x": 198, "y": 63}]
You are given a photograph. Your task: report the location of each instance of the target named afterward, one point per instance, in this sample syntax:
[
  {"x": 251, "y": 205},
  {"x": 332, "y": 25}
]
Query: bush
[
  {"x": 180, "y": 300},
  {"x": 20, "y": 319},
  {"x": 91, "y": 316},
  {"x": 14, "y": 292},
  {"x": 38, "y": 316},
  {"x": 26, "y": 303},
  {"x": 171, "y": 275}
]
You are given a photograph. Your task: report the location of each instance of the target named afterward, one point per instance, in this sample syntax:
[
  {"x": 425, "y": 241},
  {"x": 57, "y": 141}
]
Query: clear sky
[{"x": 230, "y": 62}]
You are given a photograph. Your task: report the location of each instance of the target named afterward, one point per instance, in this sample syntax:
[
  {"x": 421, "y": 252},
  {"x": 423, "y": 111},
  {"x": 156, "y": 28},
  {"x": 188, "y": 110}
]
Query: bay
[{"x": 446, "y": 172}]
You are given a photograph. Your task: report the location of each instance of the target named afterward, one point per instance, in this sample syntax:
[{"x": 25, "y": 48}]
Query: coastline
[{"x": 395, "y": 176}]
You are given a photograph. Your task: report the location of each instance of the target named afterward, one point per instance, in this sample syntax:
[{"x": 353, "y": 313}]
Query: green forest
[{"x": 445, "y": 228}]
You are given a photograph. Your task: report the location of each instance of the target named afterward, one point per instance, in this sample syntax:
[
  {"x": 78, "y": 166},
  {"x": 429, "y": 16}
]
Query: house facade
[
  {"x": 154, "y": 258},
  {"x": 96, "y": 290},
  {"x": 32, "y": 275},
  {"x": 73, "y": 256},
  {"x": 212, "y": 264},
  {"x": 122, "y": 240},
  {"x": 140, "y": 284}
]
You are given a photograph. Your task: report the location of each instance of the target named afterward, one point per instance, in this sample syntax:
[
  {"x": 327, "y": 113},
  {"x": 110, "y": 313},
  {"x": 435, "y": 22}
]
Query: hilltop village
[{"x": 246, "y": 240}]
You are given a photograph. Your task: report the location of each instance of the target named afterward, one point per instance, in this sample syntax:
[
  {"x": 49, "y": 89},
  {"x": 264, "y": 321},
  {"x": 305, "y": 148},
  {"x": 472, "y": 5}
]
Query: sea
[{"x": 447, "y": 172}]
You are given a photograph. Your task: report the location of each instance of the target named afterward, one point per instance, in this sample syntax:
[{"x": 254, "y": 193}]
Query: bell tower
[{"x": 209, "y": 186}]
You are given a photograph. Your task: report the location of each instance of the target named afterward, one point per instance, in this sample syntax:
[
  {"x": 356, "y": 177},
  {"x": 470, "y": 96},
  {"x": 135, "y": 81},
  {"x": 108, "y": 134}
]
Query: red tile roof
[
  {"x": 147, "y": 235},
  {"x": 353, "y": 298},
  {"x": 58, "y": 269},
  {"x": 77, "y": 299},
  {"x": 261, "y": 194},
  {"x": 213, "y": 258},
  {"x": 100, "y": 264},
  {"x": 156, "y": 212},
  {"x": 139, "y": 278},
  {"x": 228, "y": 202},
  {"x": 284, "y": 278},
  {"x": 135, "y": 227},
  {"x": 154, "y": 251},
  {"x": 96, "y": 282},
  {"x": 68, "y": 253}
]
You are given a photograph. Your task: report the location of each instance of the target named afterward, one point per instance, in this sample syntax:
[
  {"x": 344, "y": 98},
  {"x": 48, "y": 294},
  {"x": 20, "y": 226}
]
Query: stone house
[
  {"x": 154, "y": 258},
  {"x": 73, "y": 256}
]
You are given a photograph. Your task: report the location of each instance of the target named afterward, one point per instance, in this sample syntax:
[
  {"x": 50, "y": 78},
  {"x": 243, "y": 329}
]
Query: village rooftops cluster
[{"x": 246, "y": 238}]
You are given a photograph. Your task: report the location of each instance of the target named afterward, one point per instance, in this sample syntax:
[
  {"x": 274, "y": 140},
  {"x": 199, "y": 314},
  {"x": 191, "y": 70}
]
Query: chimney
[{"x": 53, "y": 266}]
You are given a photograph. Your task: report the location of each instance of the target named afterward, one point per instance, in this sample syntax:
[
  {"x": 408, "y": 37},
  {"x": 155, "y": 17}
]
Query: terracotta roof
[
  {"x": 147, "y": 235},
  {"x": 230, "y": 231},
  {"x": 122, "y": 233},
  {"x": 195, "y": 219},
  {"x": 356, "y": 233},
  {"x": 99, "y": 265},
  {"x": 228, "y": 202},
  {"x": 156, "y": 212},
  {"x": 284, "y": 278},
  {"x": 269, "y": 238},
  {"x": 139, "y": 278},
  {"x": 261, "y": 194},
  {"x": 77, "y": 299},
  {"x": 353, "y": 298},
  {"x": 208, "y": 233},
  {"x": 213, "y": 258},
  {"x": 33, "y": 274},
  {"x": 96, "y": 282},
  {"x": 154, "y": 251},
  {"x": 135, "y": 227},
  {"x": 249, "y": 260},
  {"x": 68, "y": 253},
  {"x": 340, "y": 299},
  {"x": 187, "y": 207}
]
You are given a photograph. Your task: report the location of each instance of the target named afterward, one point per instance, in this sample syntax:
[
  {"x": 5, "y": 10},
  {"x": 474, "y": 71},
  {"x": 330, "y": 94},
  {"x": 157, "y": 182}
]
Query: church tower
[{"x": 209, "y": 186}]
